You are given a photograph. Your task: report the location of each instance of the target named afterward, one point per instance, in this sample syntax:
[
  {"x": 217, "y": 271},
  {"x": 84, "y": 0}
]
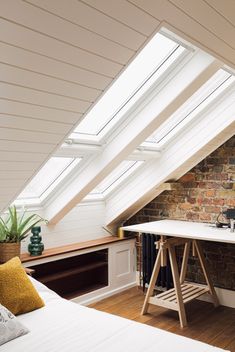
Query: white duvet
[{"x": 63, "y": 326}]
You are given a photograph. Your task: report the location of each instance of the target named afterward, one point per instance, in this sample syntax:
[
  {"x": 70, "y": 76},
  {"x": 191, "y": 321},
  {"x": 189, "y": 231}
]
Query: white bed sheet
[{"x": 64, "y": 326}]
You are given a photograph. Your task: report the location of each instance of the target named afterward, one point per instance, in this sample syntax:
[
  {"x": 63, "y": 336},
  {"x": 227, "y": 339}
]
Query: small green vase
[{"x": 36, "y": 247}]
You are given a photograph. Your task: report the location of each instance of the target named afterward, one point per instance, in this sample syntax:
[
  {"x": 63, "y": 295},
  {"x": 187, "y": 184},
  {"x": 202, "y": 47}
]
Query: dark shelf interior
[
  {"x": 74, "y": 276},
  {"x": 79, "y": 292}
]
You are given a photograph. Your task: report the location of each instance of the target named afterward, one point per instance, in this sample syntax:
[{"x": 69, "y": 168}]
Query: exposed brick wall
[{"x": 201, "y": 195}]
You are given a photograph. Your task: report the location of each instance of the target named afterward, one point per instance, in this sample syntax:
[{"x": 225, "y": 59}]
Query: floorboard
[{"x": 215, "y": 326}]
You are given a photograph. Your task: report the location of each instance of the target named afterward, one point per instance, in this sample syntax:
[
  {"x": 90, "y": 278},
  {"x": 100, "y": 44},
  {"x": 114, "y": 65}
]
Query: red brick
[
  {"x": 211, "y": 209},
  {"x": 206, "y": 201},
  {"x": 210, "y": 193},
  {"x": 189, "y": 177},
  {"x": 230, "y": 202},
  {"x": 213, "y": 177},
  {"x": 185, "y": 206},
  {"x": 192, "y": 216},
  {"x": 205, "y": 217},
  {"x": 218, "y": 201},
  {"x": 225, "y": 176},
  {"x": 202, "y": 184},
  {"x": 200, "y": 200},
  {"x": 213, "y": 185},
  {"x": 191, "y": 200},
  {"x": 190, "y": 184}
]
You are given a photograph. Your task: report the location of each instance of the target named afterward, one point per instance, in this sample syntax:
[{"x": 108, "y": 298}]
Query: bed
[{"x": 69, "y": 327}]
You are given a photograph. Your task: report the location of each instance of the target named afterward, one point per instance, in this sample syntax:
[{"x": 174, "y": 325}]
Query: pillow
[
  {"x": 17, "y": 293},
  {"x": 10, "y": 327}
]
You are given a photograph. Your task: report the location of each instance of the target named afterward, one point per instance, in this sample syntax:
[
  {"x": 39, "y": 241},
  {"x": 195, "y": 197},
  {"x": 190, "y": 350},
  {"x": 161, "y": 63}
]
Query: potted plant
[{"x": 14, "y": 227}]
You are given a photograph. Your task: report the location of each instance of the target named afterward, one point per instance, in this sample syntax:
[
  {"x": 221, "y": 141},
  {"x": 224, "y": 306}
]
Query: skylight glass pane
[
  {"x": 157, "y": 56},
  {"x": 200, "y": 100},
  {"x": 50, "y": 174},
  {"x": 118, "y": 175}
]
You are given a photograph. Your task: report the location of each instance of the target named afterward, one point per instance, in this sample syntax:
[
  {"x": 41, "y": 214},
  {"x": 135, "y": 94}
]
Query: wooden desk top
[{"x": 184, "y": 229}]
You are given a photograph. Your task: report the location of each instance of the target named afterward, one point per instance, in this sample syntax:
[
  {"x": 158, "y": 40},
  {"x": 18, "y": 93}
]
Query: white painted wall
[{"x": 83, "y": 223}]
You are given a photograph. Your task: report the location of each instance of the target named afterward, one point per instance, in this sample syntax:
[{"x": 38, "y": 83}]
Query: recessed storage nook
[
  {"x": 85, "y": 271},
  {"x": 74, "y": 276}
]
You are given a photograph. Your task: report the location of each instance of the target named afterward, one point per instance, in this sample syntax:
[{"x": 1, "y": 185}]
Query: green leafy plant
[{"x": 14, "y": 227}]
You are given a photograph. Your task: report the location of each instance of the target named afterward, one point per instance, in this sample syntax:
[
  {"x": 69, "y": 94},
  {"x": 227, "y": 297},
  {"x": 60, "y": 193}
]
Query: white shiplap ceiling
[{"x": 57, "y": 57}]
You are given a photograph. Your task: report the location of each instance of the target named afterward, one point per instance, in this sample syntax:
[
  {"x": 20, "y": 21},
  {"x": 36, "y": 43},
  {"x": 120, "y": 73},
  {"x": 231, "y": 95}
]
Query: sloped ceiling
[{"x": 57, "y": 57}]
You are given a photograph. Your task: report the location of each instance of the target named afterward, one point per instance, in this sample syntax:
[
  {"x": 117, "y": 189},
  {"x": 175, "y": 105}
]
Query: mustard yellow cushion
[{"x": 17, "y": 293}]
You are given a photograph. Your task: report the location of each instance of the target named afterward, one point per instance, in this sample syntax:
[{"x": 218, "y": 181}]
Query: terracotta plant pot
[{"x": 8, "y": 251}]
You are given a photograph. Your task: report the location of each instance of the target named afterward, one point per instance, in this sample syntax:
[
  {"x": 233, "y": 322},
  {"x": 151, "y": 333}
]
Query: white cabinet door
[{"x": 122, "y": 263}]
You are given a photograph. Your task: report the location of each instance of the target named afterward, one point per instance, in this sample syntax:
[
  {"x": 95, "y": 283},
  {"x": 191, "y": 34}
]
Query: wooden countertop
[{"x": 25, "y": 257}]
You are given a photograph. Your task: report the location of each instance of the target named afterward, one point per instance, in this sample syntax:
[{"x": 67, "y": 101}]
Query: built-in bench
[{"x": 85, "y": 268}]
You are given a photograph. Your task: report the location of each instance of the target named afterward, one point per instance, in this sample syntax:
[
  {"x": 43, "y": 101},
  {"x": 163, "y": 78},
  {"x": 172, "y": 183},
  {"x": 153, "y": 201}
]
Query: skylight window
[
  {"x": 51, "y": 174},
  {"x": 208, "y": 93},
  {"x": 154, "y": 60},
  {"x": 117, "y": 176}
]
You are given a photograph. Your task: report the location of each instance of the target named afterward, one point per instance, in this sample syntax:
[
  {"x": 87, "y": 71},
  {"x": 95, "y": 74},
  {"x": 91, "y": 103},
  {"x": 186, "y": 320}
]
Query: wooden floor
[{"x": 215, "y": 326}]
